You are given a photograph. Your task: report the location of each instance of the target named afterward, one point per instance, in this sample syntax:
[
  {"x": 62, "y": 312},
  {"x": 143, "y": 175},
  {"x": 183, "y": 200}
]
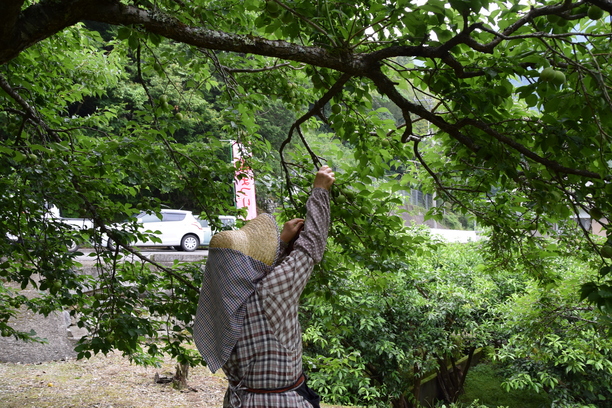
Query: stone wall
[{"x": 57, "y": 329}]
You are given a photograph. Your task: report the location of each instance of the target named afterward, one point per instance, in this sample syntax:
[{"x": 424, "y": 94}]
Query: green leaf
[
  {"x": 124, "y": 33},
  {"x": 133, "y": 40}
]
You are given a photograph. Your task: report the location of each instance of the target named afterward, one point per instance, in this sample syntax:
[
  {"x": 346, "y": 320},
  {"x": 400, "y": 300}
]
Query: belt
[{"x": 295, "y": 385}]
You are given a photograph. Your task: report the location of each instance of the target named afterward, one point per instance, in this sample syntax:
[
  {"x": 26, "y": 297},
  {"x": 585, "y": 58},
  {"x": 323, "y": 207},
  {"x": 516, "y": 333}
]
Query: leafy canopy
[{"x": 112, "y": 107}]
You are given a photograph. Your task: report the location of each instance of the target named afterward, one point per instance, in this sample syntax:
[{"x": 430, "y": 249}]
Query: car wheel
[
  {"x": 190, "y": 243},
  {"x": 72, "y": 246}
]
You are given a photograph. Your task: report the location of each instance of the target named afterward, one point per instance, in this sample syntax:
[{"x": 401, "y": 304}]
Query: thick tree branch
[
  {"x": 9, "y": 12},
  {"x": 38, "y": 22},
  {"x": 255, "y": 70},
  {"x": 549, "y": 164},
  {"x": 387, "y": 87},
  {"x": 44, "y": 19}
]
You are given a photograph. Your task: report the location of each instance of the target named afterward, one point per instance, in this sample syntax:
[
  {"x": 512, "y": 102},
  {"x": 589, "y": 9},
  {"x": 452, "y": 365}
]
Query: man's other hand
[
  {"x": 290, "y": 229},
  {"x": 324, "y": 178}
]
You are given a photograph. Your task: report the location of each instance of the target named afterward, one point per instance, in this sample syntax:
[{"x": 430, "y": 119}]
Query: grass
[{"x": 483, "y": 383}]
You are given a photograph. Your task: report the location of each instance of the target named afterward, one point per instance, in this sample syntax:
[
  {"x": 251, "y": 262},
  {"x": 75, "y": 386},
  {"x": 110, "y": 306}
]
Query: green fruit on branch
[
  {"x": 101, "y": 296},
  {"x": 558, "y": 78},
  {"x": 336, "y": 109},
  {"x": 55, "y": 286},
  {"x": 547, "y": 74},
  {"x": 596, "y": 214},
  {"x": 287, "y": 17},
  {"x": 553, "y": 18},
  {"x": 562, "y": 22},
  {"x": 606, "y": 251},
  {"x": 595, "y": 13},
  {"x": 273, "y": 9}
]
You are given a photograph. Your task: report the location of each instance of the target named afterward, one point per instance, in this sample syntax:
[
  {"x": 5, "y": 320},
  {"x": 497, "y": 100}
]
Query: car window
[
  {"x": 146, "y": 218},
  {"x": 227, "y": 222},
  {"x": 173, "y": 216}
]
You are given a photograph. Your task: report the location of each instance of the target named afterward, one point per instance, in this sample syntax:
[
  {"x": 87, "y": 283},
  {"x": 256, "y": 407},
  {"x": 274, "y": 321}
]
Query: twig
[
  {"x": 315, "y": 110},
  {"x": 30, "y": 111},
  {"x": 308, "y": 21}
]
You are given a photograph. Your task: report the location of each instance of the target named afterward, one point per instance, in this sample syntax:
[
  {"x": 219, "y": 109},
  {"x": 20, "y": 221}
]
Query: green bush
[
  {"x": 374, "y": 332},
  {"x": 556, "y": 343},
  {"x": 385, "y": 327}
]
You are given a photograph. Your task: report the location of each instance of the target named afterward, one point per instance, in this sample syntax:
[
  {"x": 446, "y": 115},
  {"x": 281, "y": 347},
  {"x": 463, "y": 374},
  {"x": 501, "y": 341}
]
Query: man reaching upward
[{"x": 247, "y": 317}]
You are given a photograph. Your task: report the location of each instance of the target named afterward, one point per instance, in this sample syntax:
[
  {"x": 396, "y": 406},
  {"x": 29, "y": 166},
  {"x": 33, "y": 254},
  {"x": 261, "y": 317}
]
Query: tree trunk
[
  {"x": 180, "y": 378},
  {"x": 416, "y": 391},
  {"x": 401, "y": 402},
  {"x": 443, "y": 380},
  {"x": 468, "y": 365},
  {"x": 451, "y": 381}
]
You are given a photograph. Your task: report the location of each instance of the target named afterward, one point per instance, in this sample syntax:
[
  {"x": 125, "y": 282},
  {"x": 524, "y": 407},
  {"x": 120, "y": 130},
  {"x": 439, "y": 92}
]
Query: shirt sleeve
[
  {"x": 281, "y": 289},
  {"x": 313, "y": 238}
]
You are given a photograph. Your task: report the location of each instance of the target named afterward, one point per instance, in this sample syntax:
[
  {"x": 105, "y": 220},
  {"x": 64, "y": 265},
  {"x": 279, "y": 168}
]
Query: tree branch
[
  {"x": 103, "y": 228},
  {"x": 255, "y": 70},
  {"x": 442, "y": 188},
  {"x": 549, "y": 164},
  {"x": 46, "y": 18},
  {"x": 387, "y": 87},
  {"x": 315, "y": 110},
  {"x": 307, "y": 21},
  {"x": 30, "y": 111},
  {"x": 9, "y": 12}
]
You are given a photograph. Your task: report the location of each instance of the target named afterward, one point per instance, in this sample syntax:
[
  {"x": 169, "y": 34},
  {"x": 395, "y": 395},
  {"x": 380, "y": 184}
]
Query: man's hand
[
  {"x": 290, "y": 229},
  {"x": 324, "y": 178}
]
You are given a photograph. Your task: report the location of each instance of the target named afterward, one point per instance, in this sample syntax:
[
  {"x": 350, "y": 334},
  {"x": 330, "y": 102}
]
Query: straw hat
[{"x": 258, "y": 239}]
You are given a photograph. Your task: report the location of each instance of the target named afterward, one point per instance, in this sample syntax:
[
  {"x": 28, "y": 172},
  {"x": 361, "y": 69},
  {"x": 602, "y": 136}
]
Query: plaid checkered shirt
[{"x": 256, "y": 322}]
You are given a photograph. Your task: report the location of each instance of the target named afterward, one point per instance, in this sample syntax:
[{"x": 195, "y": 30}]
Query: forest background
[{"x": 500, "y": 110}]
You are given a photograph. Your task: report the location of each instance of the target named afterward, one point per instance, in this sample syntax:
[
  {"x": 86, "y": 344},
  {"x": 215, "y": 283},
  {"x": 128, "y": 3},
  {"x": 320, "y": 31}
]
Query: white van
[
  {"x": 227, "y": 221},
  {"x": 177, "y": 228}
]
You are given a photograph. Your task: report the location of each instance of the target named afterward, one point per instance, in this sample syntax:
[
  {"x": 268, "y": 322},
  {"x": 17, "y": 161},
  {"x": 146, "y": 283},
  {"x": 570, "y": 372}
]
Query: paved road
[
  {"x": 58, "y": 328},
  {"x": 154, "y": 253}
]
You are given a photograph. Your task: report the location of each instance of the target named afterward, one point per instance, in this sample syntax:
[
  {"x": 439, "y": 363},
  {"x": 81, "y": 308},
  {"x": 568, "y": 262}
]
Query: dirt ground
[{"x": 105, "y": 382}]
